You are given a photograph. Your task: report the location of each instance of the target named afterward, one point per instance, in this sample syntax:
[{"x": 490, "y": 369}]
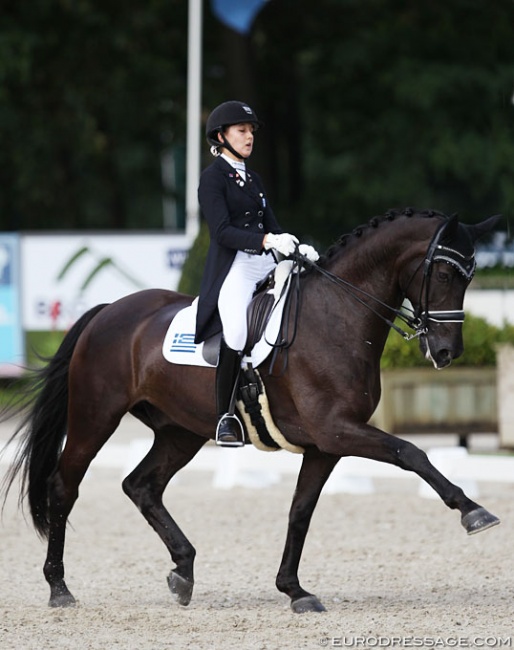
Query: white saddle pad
[{"x": 179, "y": 343}]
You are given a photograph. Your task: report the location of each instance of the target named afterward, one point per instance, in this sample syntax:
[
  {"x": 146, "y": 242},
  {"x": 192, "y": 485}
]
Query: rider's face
[{"x": 240, "y": 137}]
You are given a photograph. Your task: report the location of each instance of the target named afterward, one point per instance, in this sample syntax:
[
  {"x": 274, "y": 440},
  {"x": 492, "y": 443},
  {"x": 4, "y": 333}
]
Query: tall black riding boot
[{"x": 229, "y": 431}]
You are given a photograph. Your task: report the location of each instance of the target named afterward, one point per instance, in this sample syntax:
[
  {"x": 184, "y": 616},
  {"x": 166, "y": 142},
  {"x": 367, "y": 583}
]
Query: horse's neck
[
  {"x": 376, "y": 258},
  {"x": 372, "y": 264},
  {"x": 371, "y": 268}
]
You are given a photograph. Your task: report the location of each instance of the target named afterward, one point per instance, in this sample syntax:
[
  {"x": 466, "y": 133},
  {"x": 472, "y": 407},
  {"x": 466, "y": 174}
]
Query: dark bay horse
[{"x": 111, "y": 363}]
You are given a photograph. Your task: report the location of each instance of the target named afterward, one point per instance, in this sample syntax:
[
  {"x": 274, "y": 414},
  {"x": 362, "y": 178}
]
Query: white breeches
[{"x": 236, "y": 293}]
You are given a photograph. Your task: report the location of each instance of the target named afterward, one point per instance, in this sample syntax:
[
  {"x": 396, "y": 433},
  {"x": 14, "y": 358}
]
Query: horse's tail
[{"x": 44, "y": 426}]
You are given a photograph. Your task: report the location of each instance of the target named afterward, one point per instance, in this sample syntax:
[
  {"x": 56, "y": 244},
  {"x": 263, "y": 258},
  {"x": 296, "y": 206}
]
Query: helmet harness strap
[{"x": 226, "y": 144}]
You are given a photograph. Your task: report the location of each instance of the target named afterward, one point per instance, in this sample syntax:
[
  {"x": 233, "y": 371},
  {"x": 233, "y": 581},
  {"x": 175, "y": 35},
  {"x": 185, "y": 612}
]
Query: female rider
[{"x": 243, "y": 231}]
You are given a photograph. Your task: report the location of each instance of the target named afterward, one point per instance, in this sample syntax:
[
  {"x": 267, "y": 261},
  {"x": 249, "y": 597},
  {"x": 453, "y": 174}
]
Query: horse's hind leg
[
  {"x": 63, "y": 490},
  {"x": 61, "y": 500},
  {"x": 172, "y": 449}
]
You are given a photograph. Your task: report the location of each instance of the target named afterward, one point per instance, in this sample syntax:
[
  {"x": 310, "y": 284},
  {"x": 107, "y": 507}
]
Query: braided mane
[{"x": 374, "y": 222}]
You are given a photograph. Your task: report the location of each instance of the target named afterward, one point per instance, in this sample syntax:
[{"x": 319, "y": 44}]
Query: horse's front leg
[
  {"x": 474, "y": 517},
  {"x": 315, "y": 470},
  {"x": 369, "y": 442}
]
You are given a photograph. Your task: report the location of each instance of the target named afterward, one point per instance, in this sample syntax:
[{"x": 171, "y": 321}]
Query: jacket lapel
[{"x": 248, "y": 186}]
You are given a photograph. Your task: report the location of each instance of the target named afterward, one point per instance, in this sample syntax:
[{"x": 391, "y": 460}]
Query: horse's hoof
[
  {"x": 307, "y": 604},
  {"x": 477, "y": 520},
  {"x": 181, "y": 589},
  {"x": 62, "y": 600}
]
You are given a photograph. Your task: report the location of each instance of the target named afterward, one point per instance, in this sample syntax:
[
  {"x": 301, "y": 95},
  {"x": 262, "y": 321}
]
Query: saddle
[{"x": 264, "y": 319}]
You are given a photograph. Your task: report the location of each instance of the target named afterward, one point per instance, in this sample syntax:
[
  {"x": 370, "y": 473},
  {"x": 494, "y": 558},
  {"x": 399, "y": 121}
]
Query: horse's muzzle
[{"x": 441, "y": 348}]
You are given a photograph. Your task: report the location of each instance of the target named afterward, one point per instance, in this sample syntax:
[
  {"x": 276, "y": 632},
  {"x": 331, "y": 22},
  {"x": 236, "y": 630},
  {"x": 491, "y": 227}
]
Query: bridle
[
  {"x": 465, "y": 265},
  {"x": 421, "y": 316}
]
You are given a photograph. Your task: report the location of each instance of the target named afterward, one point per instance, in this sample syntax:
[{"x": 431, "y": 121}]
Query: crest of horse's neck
[
  {"x": 373, "y": 262},
  {"x": 367, "y": 260},
  {"x": 374, "y": 256}
]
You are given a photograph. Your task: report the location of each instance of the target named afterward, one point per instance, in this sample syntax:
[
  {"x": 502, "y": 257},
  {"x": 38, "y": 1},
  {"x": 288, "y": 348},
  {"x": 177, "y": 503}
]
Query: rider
[{"x": 242, "y": 227}]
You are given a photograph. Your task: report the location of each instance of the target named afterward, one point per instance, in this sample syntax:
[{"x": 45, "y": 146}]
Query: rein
[
  {"x": 411, "y": 321},
  {"x": 419, "y": 318}
]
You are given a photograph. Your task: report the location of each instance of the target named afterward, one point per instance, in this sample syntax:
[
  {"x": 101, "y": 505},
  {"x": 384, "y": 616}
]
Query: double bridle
[
  {"x": 421, "y": 316},
  {"x": 465, "y": 265}
]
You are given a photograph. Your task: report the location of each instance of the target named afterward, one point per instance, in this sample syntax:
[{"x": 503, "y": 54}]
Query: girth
[{"x": 250, "y": 389}]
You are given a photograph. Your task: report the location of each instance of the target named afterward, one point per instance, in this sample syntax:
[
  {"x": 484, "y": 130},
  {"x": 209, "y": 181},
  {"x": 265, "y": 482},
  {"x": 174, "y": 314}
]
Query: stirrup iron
[{"x": 240, "y": 436}]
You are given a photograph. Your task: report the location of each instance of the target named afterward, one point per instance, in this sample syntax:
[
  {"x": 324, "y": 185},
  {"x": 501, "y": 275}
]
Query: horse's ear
[
  {"x": 452, "y": 228},
  {"x": 480, "y": 229}
]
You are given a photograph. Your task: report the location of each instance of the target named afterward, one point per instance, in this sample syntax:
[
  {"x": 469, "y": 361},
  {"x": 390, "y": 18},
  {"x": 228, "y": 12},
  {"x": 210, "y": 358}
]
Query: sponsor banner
[
  {"x": 11, "y": 336},
  {"x": 64, "y": 275}
]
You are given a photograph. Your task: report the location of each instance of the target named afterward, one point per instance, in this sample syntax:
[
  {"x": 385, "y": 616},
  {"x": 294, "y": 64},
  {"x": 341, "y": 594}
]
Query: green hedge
[
  {"x": 494, "y": 278},
  {"x": 480, "y": 341},
  {"x": 193, "y": 266},
  {"x": 41, "y": 345}
]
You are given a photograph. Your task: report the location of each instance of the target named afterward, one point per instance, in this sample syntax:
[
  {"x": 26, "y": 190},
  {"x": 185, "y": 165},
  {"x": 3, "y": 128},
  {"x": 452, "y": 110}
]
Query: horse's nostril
[{"x": 444, "y": 358}]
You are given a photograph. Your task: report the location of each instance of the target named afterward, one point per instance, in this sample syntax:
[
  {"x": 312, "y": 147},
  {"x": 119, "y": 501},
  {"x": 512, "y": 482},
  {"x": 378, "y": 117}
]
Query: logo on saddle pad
[{"x": 179, "y": 343}]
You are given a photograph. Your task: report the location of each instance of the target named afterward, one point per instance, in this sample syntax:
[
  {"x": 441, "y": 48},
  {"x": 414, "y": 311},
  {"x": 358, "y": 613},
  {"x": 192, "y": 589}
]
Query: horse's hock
[{"x": 456, "y": 400}]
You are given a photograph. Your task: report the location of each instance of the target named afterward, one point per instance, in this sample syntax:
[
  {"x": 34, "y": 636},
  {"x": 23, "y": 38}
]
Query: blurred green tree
[
  {"x": 368, "y": 105},
  {"x": 90, "y": 94},
  {"x": 401, "y": 103}
]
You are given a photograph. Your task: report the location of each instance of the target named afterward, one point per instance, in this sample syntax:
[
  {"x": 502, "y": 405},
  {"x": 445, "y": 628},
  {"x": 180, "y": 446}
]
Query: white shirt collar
[{"x": 239, "y": 166}]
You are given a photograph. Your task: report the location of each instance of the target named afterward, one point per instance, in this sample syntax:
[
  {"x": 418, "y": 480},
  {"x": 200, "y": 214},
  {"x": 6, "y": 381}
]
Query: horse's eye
[{"x": 443, "y": 276}]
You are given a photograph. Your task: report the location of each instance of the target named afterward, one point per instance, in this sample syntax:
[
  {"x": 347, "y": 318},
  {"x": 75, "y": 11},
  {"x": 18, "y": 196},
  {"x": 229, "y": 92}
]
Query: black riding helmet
[{"x": 228, "y": 114}]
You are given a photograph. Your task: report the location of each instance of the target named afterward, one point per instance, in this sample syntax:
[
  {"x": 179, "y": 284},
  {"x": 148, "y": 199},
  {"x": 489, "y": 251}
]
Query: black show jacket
[{"x": 238, "y": 217}]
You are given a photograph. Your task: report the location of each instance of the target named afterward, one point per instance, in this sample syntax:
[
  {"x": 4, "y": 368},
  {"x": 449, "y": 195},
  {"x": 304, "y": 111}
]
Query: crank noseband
[{"x": 451, "y": 316}]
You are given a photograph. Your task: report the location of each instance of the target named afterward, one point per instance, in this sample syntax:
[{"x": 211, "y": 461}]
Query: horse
[{"x": 110, "y": 363}]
